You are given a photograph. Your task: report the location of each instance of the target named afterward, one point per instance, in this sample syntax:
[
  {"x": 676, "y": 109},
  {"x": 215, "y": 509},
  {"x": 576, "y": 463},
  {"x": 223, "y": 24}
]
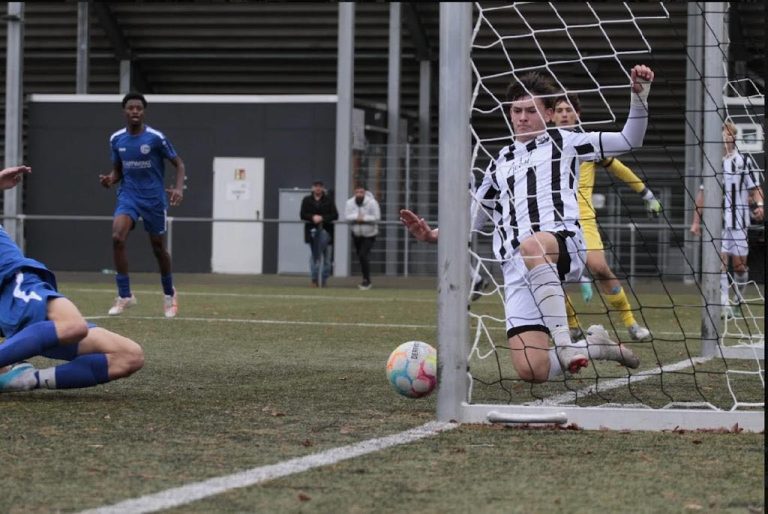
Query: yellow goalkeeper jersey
[{"x": 587, "y": 183}]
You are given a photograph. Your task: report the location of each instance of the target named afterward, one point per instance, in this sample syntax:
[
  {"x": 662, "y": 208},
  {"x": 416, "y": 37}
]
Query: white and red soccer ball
[{"x": 412, "y": 369}]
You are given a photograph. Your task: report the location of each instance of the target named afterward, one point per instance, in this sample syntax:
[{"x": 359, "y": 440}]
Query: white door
[
  {"x": 238, "y": 193},
  {"x": 292, "y": 251}
]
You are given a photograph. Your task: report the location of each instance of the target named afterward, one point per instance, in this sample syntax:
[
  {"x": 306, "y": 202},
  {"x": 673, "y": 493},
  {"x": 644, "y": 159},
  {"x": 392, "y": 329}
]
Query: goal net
[{"x": 702, "y": 366}]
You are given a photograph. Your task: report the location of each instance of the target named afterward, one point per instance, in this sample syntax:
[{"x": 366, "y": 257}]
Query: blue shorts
[
  {"x": 153, "y": 212},
  {"x": 24, "y": 300}
]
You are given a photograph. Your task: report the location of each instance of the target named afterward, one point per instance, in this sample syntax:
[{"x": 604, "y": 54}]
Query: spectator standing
[
  {"x": 319, "y": 212},
  {"x": 362, "y": 212}
]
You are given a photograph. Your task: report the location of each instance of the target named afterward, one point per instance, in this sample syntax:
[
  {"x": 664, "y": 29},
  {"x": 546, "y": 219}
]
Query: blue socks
[
  {"x": 167, "y": 281},
  {"x": 62, "y": 352},
  {"x": 123, "y": 285},
  {"x": 83, "y": 371},
  {"x": 33, "y": 340}
]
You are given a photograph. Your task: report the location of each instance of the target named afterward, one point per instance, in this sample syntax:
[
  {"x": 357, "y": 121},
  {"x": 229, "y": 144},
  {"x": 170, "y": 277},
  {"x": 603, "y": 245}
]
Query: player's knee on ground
[
  {"x": 527, "y": 373},
  {"x": 531, "y": 364},
  {"x": 126, "y": 361},
  {"x": 71, "y": 330}
]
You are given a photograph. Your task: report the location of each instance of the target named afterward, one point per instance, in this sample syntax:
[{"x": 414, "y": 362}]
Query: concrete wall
[{"x": 68, "y": 147}]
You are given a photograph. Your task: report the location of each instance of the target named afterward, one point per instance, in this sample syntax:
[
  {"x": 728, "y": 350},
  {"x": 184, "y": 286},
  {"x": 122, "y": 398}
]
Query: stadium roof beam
[{"x": 121, "y": 46}]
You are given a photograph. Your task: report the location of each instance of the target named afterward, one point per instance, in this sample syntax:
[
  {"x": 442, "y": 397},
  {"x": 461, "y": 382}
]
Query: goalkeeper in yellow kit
[{"x": 567, "y": 112}]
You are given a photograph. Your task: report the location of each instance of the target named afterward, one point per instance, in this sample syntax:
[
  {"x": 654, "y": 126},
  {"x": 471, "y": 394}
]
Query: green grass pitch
[{"x": 255, "y": 371}]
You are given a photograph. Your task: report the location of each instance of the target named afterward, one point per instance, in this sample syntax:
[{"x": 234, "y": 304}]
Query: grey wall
[{"x": 68, "y": 147}]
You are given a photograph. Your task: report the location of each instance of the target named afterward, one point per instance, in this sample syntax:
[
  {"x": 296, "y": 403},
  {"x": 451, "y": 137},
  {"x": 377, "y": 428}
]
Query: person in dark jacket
[{"x": 319, "y": 212}]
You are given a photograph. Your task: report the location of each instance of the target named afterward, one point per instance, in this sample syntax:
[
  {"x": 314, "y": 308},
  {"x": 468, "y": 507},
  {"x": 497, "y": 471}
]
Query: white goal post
[{"x": 455, "y": 400}]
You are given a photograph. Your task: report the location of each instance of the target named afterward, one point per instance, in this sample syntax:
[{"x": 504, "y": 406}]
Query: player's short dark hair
[
  {"x": 360, "y": 185},
  {"x": 134, "y": 96},
  {"x": 317, "y": 182},
  {"x": 533, "y": 83},
  {"x": 571, "y": 98}
]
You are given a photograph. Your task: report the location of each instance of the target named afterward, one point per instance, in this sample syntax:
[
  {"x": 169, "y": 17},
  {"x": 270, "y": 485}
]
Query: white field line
[
  {"x": 571, "y": 396},
  {"x": 293, "y": 322},
  {"x": 269, "y": 322},
  {"x": 158, "y": 292},
  {"x": 197, "y": 491}
]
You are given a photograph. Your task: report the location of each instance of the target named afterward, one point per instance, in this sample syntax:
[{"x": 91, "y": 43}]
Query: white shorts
[
  {"x": 735, "y": 242},
  {"x": 520, "y": 307}
]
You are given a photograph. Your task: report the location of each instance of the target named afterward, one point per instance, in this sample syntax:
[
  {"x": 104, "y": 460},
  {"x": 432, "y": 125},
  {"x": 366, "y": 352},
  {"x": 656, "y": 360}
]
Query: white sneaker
[
  {"x": 121, "y": 304},
  {"x": 171, "y": 304},
  {"x": 17, "y": 377},
  {"x": 601, "y": 347},
  {"x": 572, "y": 358},
  {"x": 576, "y": 333},
  {"x": 639, "y": 333},
  {"x": 478, "y": 288}
]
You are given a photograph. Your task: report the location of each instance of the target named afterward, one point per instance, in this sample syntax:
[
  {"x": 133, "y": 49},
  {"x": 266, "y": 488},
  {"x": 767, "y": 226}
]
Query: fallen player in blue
[{"x": 37, "y": 320}]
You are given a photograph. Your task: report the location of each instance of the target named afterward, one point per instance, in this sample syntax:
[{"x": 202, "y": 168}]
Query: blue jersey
[
  {"x": 12, "y": 260},
  {"x": 142, "y": 157}
]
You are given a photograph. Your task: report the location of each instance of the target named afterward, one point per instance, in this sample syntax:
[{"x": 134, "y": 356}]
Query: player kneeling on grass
[
  {"x": 529, "y": 192},
  {"x": 37, "y": 320}
]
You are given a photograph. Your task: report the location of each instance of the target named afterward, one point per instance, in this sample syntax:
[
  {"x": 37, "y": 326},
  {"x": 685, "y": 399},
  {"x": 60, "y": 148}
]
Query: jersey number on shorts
[{"x": 23, "y": 295}]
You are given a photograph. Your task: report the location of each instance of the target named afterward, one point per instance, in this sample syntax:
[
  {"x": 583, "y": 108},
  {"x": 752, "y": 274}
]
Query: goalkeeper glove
[
  {"x": 652, "y": 205},
  {"x": 586, "y": 291}
]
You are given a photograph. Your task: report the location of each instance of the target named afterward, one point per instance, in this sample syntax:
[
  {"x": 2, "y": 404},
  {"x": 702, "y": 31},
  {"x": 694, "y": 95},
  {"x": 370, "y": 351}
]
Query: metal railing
[{"x": 637, "y": 250}]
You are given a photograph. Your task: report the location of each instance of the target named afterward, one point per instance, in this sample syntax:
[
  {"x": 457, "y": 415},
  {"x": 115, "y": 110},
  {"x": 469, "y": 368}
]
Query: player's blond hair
[{"x": 730, "y": 127}]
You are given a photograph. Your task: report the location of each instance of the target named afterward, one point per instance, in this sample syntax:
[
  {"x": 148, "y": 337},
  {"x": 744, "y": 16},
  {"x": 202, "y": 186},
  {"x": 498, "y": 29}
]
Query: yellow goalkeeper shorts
[{"x": 591, "y": 234}]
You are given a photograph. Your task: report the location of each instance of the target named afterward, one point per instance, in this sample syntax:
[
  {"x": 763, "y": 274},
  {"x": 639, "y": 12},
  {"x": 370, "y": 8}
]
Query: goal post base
[
  {"x": 616, "y": 418},
  {"x": 558, "y": 418}
]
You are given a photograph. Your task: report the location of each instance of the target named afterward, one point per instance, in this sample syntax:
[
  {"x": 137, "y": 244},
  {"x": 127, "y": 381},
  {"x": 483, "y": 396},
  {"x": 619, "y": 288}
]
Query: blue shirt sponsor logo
[{"x": 142, "y": 157}]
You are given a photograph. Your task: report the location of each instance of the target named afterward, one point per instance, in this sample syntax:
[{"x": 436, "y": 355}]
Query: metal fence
[
  {"x": 634, "y": 250},
  {"x": 635, "y": 246}
]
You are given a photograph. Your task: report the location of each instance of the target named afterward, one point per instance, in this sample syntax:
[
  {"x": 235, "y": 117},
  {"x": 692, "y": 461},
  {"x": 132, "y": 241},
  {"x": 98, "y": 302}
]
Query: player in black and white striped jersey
[
  {"x": 529, "y": 193},
  {"x": 741, "y": 193}
]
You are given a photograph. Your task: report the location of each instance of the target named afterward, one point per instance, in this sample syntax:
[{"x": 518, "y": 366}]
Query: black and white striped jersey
[
  {"x": 531, "y": 186},
  {"x": 740, "y": 174}
]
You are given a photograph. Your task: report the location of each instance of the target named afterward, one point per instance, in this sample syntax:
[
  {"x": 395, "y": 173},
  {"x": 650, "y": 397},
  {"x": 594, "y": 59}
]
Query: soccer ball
[{"x": 412, "y": 369}]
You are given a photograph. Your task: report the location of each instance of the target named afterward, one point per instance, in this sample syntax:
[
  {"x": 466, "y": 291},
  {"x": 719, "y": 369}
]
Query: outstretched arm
[
  {"x": 11, "y": 177},
  {"x": 631, "y": 136},
  {"x": 418, "y": 227}
]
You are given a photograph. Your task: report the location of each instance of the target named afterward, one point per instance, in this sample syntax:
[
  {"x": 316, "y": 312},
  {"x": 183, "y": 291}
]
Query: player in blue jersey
[
  {"x": 138, "y": 154},
  {"x": 36, "y": 319}
]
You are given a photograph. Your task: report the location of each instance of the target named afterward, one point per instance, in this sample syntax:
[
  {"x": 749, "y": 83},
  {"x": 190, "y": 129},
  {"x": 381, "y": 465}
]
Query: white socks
[
  {"x": 550, "y": 298},
  {"x": 740, "y": 283},
  {"x": 555, "y": 368}
]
